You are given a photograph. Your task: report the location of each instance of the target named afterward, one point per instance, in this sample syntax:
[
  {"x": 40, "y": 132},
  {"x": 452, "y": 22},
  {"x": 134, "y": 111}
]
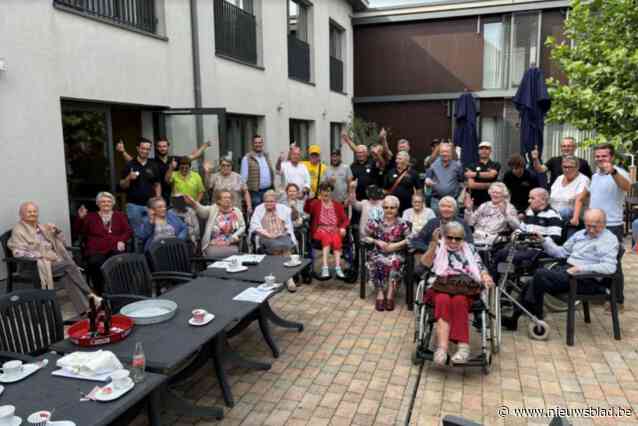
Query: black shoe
[{"x": 510, "y": 323}]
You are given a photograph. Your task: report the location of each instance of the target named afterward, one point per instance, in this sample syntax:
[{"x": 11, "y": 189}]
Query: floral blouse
[
  {"x": 489, "y": 220},
  {"x": 390, "y": 233},
  {"x": 225, "y": 225}
]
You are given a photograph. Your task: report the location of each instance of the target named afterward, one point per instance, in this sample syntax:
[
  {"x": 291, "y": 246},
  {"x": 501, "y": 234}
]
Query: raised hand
[
  {"x": 121, "y": 246},
  {"x": 173, "y": 163},
  {"x": 468, "y": 202},
  {"x": 82, "y": 211},
  {"x": 133, "y": 175},
  {"x": 119, "y": 147},
  {"x": 207, "y": 166},
  {"x": 189, "y": 200},
  {"x": 383, "y": 133}
]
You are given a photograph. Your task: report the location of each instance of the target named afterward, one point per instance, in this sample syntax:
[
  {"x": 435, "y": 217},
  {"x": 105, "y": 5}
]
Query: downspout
[{"x": 197, "y": 77}]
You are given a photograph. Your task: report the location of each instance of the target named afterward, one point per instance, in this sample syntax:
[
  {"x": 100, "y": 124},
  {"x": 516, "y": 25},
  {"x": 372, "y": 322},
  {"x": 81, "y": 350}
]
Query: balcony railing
[
  {"x": 298, "y": 59},
  {"x": 336, "y": 74},
  {"x": 138, "y": 14},
  {"x": 235, "y": 32}
]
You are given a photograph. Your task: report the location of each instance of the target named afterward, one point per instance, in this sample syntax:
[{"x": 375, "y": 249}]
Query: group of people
[{"x": 380, "y": 191}]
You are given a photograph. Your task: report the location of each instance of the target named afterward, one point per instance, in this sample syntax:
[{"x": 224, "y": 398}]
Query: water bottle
[{"x": 139, "y": 363}]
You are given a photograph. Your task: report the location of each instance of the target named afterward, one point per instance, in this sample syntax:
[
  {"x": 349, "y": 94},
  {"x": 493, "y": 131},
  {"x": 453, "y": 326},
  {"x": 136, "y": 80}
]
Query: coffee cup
[
  {"x": 294, "y": 258},
  {"x": 120, "y": 379},
  {"x": 269, "y": 279},
  {"x": 39, "y": 418},
  {"x": 6, "y": 414},
  {"x": 12, "y": 368},
  {"x": 199, "y": 315}
]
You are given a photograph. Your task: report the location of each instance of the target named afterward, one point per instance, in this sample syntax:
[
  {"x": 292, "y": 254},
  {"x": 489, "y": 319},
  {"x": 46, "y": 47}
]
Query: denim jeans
[
  {"x": 257, "y": 197},
  {"x": 634, "y": 234},
  {"x": 136, "y": 214},
  {"x": 566, "y": 213}
]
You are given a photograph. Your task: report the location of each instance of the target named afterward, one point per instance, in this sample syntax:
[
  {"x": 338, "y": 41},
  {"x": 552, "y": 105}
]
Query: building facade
[
  {"x": 412, "y": 62},
  {"x": 81, "y": 75}
]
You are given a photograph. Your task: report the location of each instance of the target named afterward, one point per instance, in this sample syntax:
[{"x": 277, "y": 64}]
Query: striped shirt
[
  {"x": 590, "y": 254},
  {"x": 546, "y": 222}
]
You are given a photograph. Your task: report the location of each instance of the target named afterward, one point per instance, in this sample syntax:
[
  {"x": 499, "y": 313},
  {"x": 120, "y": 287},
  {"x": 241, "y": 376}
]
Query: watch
[{"x": 614, "y": 172}]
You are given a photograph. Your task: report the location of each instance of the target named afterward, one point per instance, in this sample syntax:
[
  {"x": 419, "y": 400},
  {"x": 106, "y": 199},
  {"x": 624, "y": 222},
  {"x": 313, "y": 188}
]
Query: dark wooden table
[
  {"x": 42, "y": 391},
  {"x": 170, "y": 344}
]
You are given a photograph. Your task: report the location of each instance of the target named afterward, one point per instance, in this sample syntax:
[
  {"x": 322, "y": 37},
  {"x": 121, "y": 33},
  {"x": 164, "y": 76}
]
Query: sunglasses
[{"x": 453, "y": 238}]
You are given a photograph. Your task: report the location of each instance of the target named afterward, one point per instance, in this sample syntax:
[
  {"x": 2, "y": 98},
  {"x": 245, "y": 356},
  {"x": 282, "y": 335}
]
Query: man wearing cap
[
  {"x": 315, "y": 167},
  {"x": 339, "y": 175},
  {"x": 481, "y": 174}
]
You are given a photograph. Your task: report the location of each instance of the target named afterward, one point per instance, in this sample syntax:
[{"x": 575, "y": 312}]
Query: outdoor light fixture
[
  {"x": 3, "y": 64},
  {"x": 280, "y": 106}
]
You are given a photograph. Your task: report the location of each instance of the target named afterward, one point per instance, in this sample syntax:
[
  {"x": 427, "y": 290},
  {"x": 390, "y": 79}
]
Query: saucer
[
  {"x": 291, "y": 264},
  {"x": 27, "y": 370},
  {"x": 109, "y": 393},
  {"x": 16, "y": 421},
  {"x": 61, "y": 423},
  {"x": 207, "y": 318},
  {"x": 238, "y": 269},
  {"x": 268, "y": 287}
]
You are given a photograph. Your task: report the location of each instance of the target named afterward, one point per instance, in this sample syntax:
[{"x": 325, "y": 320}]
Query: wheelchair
[
  {"x": 348, "y": 255},
  {"x": 425, "y": 322}
]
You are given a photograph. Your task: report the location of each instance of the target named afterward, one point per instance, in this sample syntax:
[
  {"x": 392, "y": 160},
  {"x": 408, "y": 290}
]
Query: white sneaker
[
  {"x": 462, "y": 354},
  {"x": 325, "y": 273},
  {"x": 339, "y": 273},
  {"x": 291, "y": 286}
]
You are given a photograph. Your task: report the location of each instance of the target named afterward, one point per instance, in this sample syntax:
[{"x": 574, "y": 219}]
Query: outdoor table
[
  {"x": 255, "y": 273},
  {"x": 168, "y": 345},
  {"x": 42, "y": 391}
]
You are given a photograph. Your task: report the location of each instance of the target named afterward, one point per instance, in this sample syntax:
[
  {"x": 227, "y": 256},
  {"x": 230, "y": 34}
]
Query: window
[
  {"x": 298, "y": 40},
  {"x": 336, "y": 57},
  {"x": 553, "y": 136},
  {"x": 499, "y": 125},
  {"x": 240, "y": 130},
  {"x": 300, "y": 134},
  {"x": 236, "y": 30},
  {"x": 335, "y": 136},
  {"x": 510, "y": 48},
  {"x": 138, "y": 14}
]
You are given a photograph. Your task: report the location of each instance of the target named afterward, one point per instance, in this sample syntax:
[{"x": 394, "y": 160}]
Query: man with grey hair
[
  {"x": 444, "y": 177},
  {"x": 593, "y": 249},
  {"x": 363, "y": 169}
]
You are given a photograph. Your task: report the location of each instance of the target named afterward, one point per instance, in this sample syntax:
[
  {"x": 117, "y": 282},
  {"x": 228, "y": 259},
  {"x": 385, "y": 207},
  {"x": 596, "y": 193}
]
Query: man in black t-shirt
[
  {"x": 554, "y": 164},
  {"x": 363, "y": 169},
  {"x": 482, "y": 174},
  {"x": 519, "y": 182},
  {"x": 141, "y": 179}
]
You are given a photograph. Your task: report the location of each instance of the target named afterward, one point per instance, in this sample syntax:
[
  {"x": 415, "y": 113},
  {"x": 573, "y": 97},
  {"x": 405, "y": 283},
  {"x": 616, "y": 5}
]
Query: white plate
[
  {"x": 239, "y": 269},
  {"x": 207, "y": 318},
  {"x": 27, "y": 370},
  {"x": 115, "y": 394},
  {"x": 16, "y": 421},
  {"x": 290, "y": 264}
]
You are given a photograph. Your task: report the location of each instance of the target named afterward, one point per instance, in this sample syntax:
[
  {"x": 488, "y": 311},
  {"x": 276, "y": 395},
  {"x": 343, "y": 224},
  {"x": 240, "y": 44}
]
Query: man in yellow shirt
[
  {"x": 315, "y": 167},
  {"x": 185, "y": 181}
]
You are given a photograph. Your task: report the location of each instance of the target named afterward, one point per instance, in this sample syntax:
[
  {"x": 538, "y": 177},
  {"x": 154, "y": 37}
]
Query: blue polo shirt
[{"x": 607, "y": 196}]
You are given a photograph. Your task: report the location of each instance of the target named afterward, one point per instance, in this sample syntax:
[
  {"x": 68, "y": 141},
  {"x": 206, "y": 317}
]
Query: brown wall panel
[
  {"x": 421, "y": 57},
  {"x": 419, "y": 122},
  {"x": 552, "y": 25}
]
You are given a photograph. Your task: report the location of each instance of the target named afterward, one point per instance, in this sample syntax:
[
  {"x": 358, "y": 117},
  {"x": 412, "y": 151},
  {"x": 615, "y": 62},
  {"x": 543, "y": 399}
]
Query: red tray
[{"x": 121, "y": 327}]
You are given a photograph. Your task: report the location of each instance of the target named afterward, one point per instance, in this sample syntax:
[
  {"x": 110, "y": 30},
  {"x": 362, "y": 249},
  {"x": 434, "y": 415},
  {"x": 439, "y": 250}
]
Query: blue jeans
[
  {"x": 634, "y": 233},
  {"x": 566, "y": 213},
  {"x": 136, "y": 214},
  {"x": 257, "y": 197}
]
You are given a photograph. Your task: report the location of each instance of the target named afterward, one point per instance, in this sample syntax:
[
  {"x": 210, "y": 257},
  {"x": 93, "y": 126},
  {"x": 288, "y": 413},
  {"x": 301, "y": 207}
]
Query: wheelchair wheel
[
  {"x": 487, "y": 363},
  {"x": 538, "y": 331},
  {"x": 418, "y": 303}
]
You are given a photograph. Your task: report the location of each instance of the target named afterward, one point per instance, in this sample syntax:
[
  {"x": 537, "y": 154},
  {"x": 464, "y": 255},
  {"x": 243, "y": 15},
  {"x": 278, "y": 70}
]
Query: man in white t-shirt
[
  {"x": 293, "y": 171},
  {"x": 607, "y": 191},
  {"x": 567, "y": 187}
]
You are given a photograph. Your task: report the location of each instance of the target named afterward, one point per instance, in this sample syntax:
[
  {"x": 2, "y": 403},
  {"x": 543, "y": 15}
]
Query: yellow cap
[{"x": 314, "y": 149}]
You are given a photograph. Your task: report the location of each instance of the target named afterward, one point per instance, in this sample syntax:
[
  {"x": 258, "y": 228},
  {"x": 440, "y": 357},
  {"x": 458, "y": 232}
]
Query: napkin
[{"x": 90, "y": 363}]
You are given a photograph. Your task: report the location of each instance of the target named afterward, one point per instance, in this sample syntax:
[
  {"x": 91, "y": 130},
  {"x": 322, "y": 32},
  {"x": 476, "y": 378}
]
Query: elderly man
[
  {"x": 257, "y": 171},
  {"x": 45, "y": 244},
  {"x": 593, "y": 249},
  {"x": 444, "y": 177},
  {"x": 482, "y": 174},
  {"x": 554, "y": 164},
  {"x": 363, "y": 169},
  {"x": 293, "y": 171},
  {"x": 273, "y": 224}
]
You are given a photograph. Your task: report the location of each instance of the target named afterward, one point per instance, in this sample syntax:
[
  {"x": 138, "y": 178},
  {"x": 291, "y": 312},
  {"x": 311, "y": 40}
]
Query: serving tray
[{"x": 150, "y": 311}]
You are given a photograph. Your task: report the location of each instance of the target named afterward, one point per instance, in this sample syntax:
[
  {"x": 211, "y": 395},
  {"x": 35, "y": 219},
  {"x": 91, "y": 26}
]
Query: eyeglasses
[
  {"x": 569, "y": 167},
  {"x": 453, "y": 238},
  {"x": 389, "y": 207}
]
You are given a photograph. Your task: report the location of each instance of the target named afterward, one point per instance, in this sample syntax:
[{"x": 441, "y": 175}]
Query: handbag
[{"x": 457, "y": 284}]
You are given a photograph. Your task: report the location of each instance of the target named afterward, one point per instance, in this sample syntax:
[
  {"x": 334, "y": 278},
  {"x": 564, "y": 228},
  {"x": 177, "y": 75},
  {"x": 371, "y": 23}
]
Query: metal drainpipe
[{"x": 197, "y": 77}]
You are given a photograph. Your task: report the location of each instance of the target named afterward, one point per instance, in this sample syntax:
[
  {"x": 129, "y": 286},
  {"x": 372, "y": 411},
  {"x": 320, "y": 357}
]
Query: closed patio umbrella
[
  {"x": 532, "y": 102},
  {"x": 465, "y": 129}
]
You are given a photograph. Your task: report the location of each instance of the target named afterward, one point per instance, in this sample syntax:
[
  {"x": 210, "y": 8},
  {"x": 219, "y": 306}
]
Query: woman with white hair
[
  {"x": 103, "y": 233},
  {"x": 492, "y": 217},
  {"x": 386, "y": 259},
  {"x": 418, "y": 215},
  {"x": 402, "y": 181}
]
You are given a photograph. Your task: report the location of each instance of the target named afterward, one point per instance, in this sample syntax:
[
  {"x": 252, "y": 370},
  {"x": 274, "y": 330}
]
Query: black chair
[
  {"x": 610, "y": 281},
  {"x": 128, "y": 279},
  {"x": 408, "y": 277},
  {"x": 173, "y": 256},
  {"x": 30, "y": 321}
]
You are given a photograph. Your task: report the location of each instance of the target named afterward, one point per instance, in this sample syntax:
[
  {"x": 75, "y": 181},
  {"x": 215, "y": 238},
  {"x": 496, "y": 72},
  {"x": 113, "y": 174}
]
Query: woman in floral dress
[{"x": 386, "y": 259}]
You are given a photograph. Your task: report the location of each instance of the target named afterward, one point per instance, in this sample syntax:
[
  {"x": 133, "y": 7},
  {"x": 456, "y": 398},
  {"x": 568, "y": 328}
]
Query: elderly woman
[
  {"x": 567, "y": 187},
  {"x": 45, "y": 244},
  {"x": 293, "y": 198},
  {"x": 185, "y": 181},
  {"x": 272, "y": 223},
  {"x": 104, "y": 232},
  {"x": 459, "y": 276},
  {"x": 447, "y": 213},
  {"x": 385, "y": 260},
  {"x": 492, "y": 217},
  {"x": 328, "y": 223},
  {"x": 418, "y": 215},
  {"x": 371, "y": 209},
  {"x": 402, "y": 181},
  {"x": 160, "y": 223},
  {"x": 227, "y": 180},
  {"x": 224, "y": 225}
]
